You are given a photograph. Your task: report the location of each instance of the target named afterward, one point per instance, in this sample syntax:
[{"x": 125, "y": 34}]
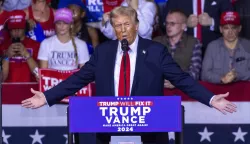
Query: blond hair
[
  {"x": 72, "y": 34},
  {"x": 123, "y": 11}
]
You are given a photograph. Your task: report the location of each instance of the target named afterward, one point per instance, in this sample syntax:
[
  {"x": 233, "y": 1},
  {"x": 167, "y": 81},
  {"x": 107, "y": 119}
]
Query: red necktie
[
  {"x": 199, "y": 11},
  {"x": 121, "y": 80}
]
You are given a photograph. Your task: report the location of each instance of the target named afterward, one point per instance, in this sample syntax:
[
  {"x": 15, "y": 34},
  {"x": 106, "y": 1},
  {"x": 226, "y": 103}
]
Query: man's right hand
[
  {"x": 38, "y": 100},
  {"x": 192, "y": 21}
]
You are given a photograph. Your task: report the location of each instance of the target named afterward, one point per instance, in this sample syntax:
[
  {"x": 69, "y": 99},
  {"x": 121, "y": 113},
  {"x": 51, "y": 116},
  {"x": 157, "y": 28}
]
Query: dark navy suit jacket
[{"x": 153, "y": 65}]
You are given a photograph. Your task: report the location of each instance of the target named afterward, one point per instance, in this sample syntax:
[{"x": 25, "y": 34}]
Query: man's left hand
[
  {"x": 220, "y": 103},
  {"x": 205, "y": 19}
]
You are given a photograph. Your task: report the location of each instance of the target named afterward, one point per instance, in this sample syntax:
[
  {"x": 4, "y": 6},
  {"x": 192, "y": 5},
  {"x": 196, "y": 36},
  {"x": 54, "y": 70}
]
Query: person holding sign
[{"x": 148, "y": 63}]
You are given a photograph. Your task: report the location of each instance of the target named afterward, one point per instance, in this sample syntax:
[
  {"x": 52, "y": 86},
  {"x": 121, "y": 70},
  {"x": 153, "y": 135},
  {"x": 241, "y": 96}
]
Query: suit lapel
[
  {"x": 141, "y": 54},
  {"x": 111, "y": 57},
  {"x": 188, "y": 6},
  {"x": 206, "y": 5}
]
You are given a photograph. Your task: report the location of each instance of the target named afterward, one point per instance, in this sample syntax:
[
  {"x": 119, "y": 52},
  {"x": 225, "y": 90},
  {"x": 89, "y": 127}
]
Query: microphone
[
  {"x": 124, "y": 43},
  {"x": 125, "y": 48}
]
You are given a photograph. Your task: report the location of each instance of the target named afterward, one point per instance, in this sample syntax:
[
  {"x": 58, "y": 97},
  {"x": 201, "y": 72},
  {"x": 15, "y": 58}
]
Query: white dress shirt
[
  {"x": 132, "y": 56},
  {"x": 146, "y": 13},
  {"x": 196, "y": 13}
]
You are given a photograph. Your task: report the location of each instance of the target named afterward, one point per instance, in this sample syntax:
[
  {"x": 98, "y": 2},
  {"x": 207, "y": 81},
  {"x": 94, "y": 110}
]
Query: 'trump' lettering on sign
[{"x": 125, "y": 115}]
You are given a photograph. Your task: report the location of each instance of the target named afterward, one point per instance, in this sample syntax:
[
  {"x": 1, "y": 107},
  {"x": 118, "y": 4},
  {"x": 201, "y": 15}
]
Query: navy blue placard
[{"x": 125, "y": 114}]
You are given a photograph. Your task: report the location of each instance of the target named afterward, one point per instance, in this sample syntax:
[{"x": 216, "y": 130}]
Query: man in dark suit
[
  {"x": 203, "y": 17},
  {"x": 149, "y": 63}
]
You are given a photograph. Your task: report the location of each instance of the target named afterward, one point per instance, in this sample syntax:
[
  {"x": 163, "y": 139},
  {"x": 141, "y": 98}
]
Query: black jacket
[{"x": 243, "y": 8}]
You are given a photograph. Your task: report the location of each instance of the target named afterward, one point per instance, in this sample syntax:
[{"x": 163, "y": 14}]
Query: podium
[{"x": 121, "y": 117}]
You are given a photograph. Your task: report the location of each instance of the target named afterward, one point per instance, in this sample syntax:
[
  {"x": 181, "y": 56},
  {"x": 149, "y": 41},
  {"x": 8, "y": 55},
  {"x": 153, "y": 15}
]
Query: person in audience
[
  {"x": 80, "y": 29},
  {"x": 63, "y": 51},
  {"x": 203, "y": 17},
  {"x": 3, "y": 19},
  {"x": 185, "y": 49},
  {"x": 40, "y": 13},
  {"x": 227, "y": 59},
  {"x": 243, "y": 8},
  {"x": 146, "y": 11},
  {"x": 11, "y": 5},
  {"x": 20, "y": 61},
  {"x": 3, "y": 15}
]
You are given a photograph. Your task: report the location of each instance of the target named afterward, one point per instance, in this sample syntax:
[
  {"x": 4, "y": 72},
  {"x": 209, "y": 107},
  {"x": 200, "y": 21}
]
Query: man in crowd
[
  {"x": 148, "y": 64},
  {"x": 227, "y": 59},
  {"x": 203, "y": 17},
  {"x": 19, "y": 64},
  {"x": 185, "y": 49}
]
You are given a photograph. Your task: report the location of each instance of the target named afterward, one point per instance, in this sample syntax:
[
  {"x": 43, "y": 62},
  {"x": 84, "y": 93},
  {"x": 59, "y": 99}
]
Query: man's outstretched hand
[
  {"x": 220, "y": 103},
  {"x": 38, "y": 100}
]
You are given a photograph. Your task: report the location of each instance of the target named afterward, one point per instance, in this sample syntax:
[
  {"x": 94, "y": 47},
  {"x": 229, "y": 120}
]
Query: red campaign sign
[
  {"x": 50, "y": 78},
  {"x": 109, "y": 5}
]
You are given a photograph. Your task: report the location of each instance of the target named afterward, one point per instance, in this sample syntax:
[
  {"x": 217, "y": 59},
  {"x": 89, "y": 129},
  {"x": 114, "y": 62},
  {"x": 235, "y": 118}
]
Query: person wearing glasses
[{"x": 185, "y": 49}]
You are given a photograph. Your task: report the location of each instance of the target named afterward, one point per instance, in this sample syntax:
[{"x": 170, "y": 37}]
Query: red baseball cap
[
  {"x": 17, "y": 20},
  {"x": 230, "y": 17}
]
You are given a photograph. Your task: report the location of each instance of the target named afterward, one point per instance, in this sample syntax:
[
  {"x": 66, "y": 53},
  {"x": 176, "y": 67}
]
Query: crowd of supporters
[{"x": 208, "y": 39}]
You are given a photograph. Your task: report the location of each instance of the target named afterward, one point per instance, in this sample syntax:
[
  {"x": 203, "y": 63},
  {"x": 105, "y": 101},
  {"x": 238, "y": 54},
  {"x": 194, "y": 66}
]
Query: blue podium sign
[{"x": 125, "y": 114}]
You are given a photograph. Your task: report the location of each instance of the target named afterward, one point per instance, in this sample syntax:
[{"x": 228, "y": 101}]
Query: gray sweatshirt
[{"x": 216, "y": 62}]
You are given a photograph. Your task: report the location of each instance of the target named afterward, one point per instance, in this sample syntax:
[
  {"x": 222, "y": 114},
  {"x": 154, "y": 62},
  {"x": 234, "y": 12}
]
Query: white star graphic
[
  {"x": 239, "y": 135},
  {"x": 5, "y": 137},
  {"x": 37, "y": 137},
  {"x": 171, "y": 135},
  {"x": 66, "y": 136},
  {"x": 205, "y": 135}
]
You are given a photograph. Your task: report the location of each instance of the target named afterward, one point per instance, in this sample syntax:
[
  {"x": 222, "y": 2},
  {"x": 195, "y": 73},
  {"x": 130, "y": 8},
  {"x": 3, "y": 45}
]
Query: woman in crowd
[
  {"x": 41, "y": 13},
  {"x": 63, "y": 51},
  {"x": 80, "y": 29}
]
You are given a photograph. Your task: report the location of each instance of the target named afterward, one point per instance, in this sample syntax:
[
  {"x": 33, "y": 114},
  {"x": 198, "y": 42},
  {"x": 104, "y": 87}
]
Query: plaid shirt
[{"x": 196, "y": 60}]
